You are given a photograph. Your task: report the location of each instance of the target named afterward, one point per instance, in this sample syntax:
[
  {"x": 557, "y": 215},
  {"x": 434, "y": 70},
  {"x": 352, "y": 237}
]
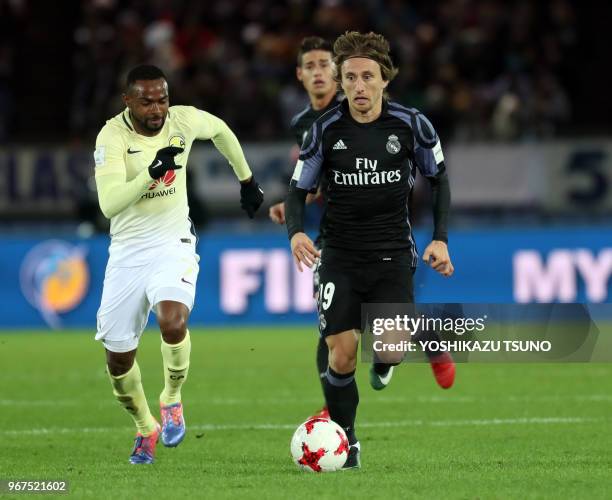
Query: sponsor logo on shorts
[{"x": 322, "y": 322}]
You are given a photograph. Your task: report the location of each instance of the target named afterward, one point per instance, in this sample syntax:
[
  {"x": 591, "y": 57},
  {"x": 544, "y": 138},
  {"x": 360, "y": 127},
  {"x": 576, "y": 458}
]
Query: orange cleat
[{"x": 443, "y": 368}]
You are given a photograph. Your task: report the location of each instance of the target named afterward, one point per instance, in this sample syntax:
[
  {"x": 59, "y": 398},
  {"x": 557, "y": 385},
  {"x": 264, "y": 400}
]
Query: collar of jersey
[
  {"x": 337, "y": 99},
  {"x": 127, "y": 119},
  {"x": 345, "y": 109}
]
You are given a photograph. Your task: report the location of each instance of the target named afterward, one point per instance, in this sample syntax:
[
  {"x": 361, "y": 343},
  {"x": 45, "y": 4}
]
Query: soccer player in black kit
[
  {"x": 369, "y": 149},
  {"x": 315, "y": 71}
]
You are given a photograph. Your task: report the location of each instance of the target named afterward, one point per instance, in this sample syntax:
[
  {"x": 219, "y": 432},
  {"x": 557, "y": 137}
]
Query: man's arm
[
  {"x": 226, "y": 142},
  {"x": 114, "y": 193},
  {"x": 305, "y": 178},
  {"x": 440, "y": 198},
  {"x": 277, "y": 211},
  {"x": 302, "y": 247},
  {"x": 436, "y": 254},
  {"x": 214, "y": 128},
  {"x": 430, "y": 162}
]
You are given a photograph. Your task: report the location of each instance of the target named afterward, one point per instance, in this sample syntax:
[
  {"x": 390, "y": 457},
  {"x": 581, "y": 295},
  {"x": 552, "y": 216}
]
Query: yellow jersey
[{"x": 146, "y": 213}]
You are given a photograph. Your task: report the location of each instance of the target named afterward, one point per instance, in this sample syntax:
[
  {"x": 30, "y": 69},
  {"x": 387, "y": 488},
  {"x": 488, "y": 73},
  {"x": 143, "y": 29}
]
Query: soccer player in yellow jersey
[{"x": 140, "y": 161}]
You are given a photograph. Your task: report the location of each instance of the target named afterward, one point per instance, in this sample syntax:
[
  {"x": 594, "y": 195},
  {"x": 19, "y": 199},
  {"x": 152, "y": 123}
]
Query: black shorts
[
  {"x": 315, "y": 273},
  {"x": 348, "y": 279}
]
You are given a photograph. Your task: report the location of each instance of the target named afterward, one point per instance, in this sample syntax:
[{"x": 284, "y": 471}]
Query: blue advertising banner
[{"x": 251, "y": 279}]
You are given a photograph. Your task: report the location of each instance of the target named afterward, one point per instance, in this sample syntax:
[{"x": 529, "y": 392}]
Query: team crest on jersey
[
  {"x": 177, "y": 141},
  {"x": 393, "y": 144},
  {"x": 322, "y": 322}
]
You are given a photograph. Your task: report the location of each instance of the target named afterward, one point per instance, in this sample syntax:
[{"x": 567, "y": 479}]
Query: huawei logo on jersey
[{"x": 167, "y": 179}]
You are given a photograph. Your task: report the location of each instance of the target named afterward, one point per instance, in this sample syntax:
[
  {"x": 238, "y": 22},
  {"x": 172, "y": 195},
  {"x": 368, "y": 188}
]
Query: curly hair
[{"x": 369, "y": 45}]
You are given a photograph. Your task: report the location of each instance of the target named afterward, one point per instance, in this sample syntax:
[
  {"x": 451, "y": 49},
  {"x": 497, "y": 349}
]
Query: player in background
[
  {"x": 369, "y": 149},
  {"x": 315, "y": 71},
  {"x": 140, "y": 168}
]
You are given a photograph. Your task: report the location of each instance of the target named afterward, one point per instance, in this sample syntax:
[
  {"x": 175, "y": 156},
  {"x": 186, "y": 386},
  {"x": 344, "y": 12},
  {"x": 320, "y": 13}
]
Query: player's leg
[
  {"x": 339, "y": 308},
  {"x": 172, "y": 291},
  {"x": 125, "y": 377},
  {"x": 322, "y": 349},
  {"x": 176, "y": 350},
  {"x": 340, "y": 387},
  {"x": 394, "y": 285},
  {"x": 442, "y": 364},
  {"x": 122, "y": 317},
  {"x": 322, "y": 363}
]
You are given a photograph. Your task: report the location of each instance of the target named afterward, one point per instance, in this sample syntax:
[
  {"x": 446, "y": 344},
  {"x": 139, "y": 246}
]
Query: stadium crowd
[{"x": 480, "y": 69}]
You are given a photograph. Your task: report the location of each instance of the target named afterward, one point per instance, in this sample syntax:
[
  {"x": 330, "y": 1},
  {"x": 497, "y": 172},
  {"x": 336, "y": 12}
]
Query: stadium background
[
  {"x": 519, "y": 93},
  {"x": 515, "y": 90}
]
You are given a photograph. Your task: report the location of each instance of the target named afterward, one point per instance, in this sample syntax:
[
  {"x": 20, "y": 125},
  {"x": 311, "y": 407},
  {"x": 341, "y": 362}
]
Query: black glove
[
  {"x": 164, "y": 161},
  {"x": 251, "y": 197}
]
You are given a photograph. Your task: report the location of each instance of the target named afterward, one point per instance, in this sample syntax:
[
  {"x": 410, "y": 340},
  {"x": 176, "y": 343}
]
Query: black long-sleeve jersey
[
  {"x": 301, "y": 122},
  {"x": 370, "y": 170},
  {"x": 300, "y": 125}
]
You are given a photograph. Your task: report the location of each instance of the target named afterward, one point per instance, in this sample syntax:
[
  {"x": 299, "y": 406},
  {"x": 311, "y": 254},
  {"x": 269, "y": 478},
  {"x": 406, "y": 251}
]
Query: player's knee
[
  {"x": 119, "y": 365},
  {"x": 342, "y": 362},
  {"x": 173, "y": 328}
]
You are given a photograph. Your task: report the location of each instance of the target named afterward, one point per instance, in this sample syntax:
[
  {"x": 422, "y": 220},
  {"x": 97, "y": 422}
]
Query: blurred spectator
[
  {"x": 10, "y": 12},
  {"x": 481, "y": 69}
]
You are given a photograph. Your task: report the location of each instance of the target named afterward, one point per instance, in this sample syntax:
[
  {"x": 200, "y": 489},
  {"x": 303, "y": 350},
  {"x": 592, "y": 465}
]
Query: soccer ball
[{"x": 319, "y": 445}]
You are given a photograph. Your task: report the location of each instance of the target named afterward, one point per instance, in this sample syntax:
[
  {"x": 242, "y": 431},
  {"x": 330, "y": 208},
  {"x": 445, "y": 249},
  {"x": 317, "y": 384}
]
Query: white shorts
[{"x": 130, "y": 293}]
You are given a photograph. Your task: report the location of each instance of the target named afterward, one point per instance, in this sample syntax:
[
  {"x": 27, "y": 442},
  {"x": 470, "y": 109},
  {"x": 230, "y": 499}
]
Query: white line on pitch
[
  {"x": 315, "y": 400},
  {"x": 38, "y": 402},
  {"x": 273, "y": 427}
]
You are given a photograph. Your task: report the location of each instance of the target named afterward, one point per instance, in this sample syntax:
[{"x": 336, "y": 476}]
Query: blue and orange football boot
[
  {"x": 144, "y": 447},
  {"x": 173, "y": 424}
]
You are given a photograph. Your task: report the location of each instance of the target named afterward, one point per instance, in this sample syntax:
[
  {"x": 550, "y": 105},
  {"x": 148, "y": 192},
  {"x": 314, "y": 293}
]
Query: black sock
[
  {"x": 428, "y": 336},
  {"x": 342, "y": 399},
  {"x": 322, "y": 361}
]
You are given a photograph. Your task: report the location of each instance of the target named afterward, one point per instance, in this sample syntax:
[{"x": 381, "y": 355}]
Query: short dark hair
[
  {"x": 369, "y": 45},
  {"x": 144, "y": 72},
  {"x": 312, "y": 43}
]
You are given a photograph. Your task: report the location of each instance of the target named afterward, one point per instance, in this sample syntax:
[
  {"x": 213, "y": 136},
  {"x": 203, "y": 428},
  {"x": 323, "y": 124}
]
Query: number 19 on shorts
[{"x": 326, "y": 295}]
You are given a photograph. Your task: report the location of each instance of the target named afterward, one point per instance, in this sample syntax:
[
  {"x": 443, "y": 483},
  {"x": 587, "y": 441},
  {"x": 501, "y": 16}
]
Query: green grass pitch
[{"x": 504, "y": 430}]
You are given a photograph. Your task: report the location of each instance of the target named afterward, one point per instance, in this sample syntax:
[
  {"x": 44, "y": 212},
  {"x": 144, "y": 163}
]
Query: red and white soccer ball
[{"x": 319, "y": 445}]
